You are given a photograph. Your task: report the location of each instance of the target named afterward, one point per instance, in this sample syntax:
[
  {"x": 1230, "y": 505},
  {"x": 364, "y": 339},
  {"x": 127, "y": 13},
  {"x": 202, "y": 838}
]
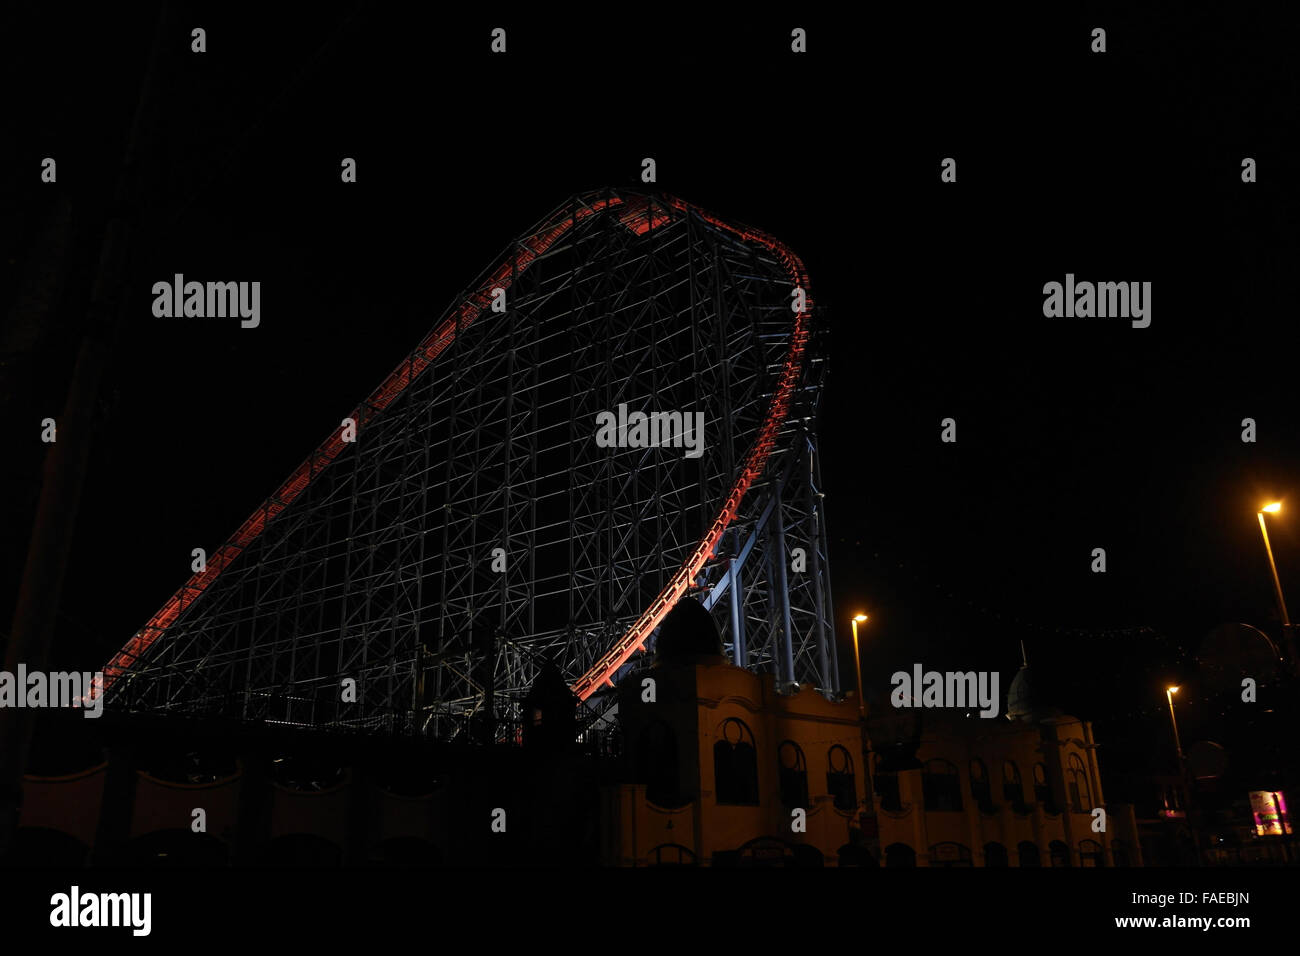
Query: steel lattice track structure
[{"x": 376, "y": 559}]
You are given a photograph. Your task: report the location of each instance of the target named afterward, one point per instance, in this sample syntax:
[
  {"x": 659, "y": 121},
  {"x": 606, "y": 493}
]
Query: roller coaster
[{"x": 462, "y": 529}]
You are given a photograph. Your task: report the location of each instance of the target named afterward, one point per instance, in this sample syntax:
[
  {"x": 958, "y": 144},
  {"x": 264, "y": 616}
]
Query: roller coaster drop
[{"x": 473, "y": 531}]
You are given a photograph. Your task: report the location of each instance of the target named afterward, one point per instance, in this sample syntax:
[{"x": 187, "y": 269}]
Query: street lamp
[
  {"x": 1169, "y": 693},
  {"x": 1183, "y": 774},
  {"x": 1178, "y": 746},
  {"x": 857, "y": 663},
  {"x": 1273, "y": 509},
  {"x": 1287, "y": 641}
]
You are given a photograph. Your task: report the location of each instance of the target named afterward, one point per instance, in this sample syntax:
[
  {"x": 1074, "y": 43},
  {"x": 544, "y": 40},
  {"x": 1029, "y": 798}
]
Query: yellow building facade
[
  {"x": 998, "y": 792},
  {"x": 729, "y": 771},
  {"x": 726, "y": 771}
]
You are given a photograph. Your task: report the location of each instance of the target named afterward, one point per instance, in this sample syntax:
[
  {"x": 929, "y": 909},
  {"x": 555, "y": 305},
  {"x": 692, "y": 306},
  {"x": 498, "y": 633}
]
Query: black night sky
[{"x": 1071, "y": 434}]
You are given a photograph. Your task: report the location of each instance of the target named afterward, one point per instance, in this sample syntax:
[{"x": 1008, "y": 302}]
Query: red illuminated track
[
  {"x": 641, "y": 215},
  {"x": 634, "y": 640}
]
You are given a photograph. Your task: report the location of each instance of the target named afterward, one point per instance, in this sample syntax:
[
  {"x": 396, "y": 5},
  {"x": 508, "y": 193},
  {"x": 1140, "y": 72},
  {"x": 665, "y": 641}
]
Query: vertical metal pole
[
  {"x": 829, "y": 679},
  {"x": 857, "y": 668},
  {"x": 828, "y": 603},
  {"x": 738, "y": 649},
  {"x": 1288, "y": 640},
  {"x": 783, "y": 588},
  {"x": 1177, "y": 745},
  {"x": 1186, "y": 779},
  {"x": 1272, "y": 565}
]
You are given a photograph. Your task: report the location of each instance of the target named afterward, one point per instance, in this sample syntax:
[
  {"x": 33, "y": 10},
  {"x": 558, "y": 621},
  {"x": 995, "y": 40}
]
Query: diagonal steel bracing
[{"x": 417, "y": 579}]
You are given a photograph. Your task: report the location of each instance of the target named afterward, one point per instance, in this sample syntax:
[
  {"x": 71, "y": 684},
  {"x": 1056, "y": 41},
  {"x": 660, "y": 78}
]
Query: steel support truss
[{"x": 417, "y": 579}]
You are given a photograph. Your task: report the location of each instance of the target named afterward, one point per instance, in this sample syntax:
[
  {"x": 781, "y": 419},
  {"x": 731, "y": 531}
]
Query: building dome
[
  {"x": 687, "y": 632},
  {"x": 1025, "y": 698},
  {"x": 1020, "y": 704}
]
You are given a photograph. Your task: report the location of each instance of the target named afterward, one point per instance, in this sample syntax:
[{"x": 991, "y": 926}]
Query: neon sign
[{"x": 1269, "y": 809}]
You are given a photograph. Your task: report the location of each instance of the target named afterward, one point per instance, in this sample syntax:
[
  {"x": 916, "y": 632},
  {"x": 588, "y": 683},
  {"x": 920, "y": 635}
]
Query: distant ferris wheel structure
[{"x": 474, "y": 532}]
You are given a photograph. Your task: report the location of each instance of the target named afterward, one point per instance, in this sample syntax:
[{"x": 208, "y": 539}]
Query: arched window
[
  {"x": 950, "y": 855},
  {"x": 672, "y": 854},
  {"x": 1013, "y": 792},
  {"x": 980, "y": 789},
  {"x": 793, "y": 770},
  {"x": 1060, "y": 853},
  {"x": 840, "y": 782},
  {"x": 1042, "y": 789},
  {"x": 995, "y": 854},
  {"x": 657, "y": 765},
  {"x": 735, "y": 764},
  {"x": 1080, "y": 797},
  {"x": 941, "y": 786},
  {"x": 899, "y": 854},
  {"x": 1091, "y": 853},
  {"x": 1028, "y": 853}
]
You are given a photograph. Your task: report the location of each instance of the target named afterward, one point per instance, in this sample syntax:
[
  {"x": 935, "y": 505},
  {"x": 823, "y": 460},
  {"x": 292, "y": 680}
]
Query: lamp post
[
  {"x": 1183, "y": 775},
  {"x": 1178, "y": 747},
  {"x": 1287, "y": 640},
  {"x": 872, "y": 841},
  {"x": 857, "y": 663},
  {"x": 1274, "y": 508}
]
